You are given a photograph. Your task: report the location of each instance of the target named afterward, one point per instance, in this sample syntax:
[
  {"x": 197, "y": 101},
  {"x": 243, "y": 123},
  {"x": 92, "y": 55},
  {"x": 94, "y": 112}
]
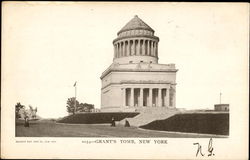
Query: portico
[{"x": 146, "y": 97}]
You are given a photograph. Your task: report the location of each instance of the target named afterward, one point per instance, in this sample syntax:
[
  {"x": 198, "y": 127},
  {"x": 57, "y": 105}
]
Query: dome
[
  {"x": 136, "y": 43},
  {"x": 135, "y": 23}
]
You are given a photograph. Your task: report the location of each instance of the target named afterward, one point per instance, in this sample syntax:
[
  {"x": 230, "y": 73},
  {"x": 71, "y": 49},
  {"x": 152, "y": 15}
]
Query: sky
[{"x": 47, "y": 46}]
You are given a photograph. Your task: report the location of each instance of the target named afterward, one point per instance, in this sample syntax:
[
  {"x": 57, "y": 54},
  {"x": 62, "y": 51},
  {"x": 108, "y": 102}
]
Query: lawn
[{"x": 52, "y": 129}]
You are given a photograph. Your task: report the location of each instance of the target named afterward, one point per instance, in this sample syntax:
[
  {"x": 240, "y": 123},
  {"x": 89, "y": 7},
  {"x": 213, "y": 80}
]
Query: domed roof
[{"x": 135, "y": 23}]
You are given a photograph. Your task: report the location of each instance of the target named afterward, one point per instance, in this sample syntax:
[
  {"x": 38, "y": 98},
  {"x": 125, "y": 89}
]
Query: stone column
[
  {"x": 156, "y": 49},
  {"x": 116, "y": 53},
  {"x": 134, "y": 47},
  {"x": 148, "y": 47},
  {"x": 141, "y": 97},
  {"x": 128, "y": 54},
  {"x": 133, "y": 52},
  {"x": 132, "y": 97},
  {"x": 150, "y": 97},
  {"x": 138, "y": 47},
  {"x": 124, "y": 97},
  {"x": 119, "y": 49},
  {"x": 152, "y": 48},
  {"x": 123, "y": 49},
  {"x": 159, "y": 98},
  {"x": 167, "y": 97},
  {"x": 126, "y": 48},
  {"x": 116, "y": 50},
  {"x": 143, "y": 47},
  {"x": 174, "y": 96}
]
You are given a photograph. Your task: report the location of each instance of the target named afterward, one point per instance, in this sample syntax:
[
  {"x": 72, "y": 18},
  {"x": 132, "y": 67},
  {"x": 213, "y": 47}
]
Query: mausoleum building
[{"x": 135, "y": 79}]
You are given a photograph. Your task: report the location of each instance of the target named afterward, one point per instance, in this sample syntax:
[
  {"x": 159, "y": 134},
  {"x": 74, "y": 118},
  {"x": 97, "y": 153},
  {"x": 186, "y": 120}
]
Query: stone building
[
  {"x": 221, "y": 107},
  {"x": 135, "y": 79}
]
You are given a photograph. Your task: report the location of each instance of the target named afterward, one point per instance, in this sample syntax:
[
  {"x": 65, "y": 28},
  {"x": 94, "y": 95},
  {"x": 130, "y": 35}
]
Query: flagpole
[
  {"x": 75, "y": 97},
  {"x": 220, "y": 97}
]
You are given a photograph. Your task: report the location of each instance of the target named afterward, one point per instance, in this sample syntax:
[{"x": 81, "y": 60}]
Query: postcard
[{"x": 131, "y": 80}]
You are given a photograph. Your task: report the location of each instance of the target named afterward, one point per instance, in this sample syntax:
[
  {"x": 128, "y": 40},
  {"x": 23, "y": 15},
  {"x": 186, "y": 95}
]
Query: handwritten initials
[
  {"x": 199, "y": 149},
  {"x": 210, "y": 148}
]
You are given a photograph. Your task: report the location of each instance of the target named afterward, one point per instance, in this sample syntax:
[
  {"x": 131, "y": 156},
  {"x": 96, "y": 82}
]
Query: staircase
[{"x": 150, "y": 114}]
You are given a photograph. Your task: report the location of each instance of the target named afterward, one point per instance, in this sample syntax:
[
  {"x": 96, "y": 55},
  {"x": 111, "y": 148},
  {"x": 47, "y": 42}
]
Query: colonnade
[
  {"x": 136, "y": 47},
  {"x": 148, "y": 97}
]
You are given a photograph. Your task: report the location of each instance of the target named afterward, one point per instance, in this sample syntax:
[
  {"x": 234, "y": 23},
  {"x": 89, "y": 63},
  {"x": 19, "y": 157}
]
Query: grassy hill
[
  {"x": 209, "y": 123},
  {"x": 96, "y": 118}
]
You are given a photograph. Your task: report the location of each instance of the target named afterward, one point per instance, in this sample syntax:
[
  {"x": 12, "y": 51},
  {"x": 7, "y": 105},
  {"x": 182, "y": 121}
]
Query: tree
[
  {"x": 71, "y": 105},
  {"x": 85, "y": 107},
  {"x": 33, "y": 112},
  {"x": 18, "y": 107}
]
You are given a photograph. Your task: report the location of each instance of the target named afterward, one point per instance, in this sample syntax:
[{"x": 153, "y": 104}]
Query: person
[
  {"x": 26, "y": 121},
  {"x": 113, "y": 122},
  {"x": 127, "y": 123}
]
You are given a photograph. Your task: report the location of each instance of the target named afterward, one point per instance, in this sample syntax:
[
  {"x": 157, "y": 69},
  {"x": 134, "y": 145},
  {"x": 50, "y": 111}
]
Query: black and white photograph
[{"x": 125, "y": 80}]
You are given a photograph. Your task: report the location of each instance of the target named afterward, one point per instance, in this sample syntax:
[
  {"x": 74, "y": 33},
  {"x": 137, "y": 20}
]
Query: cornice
[
  {"x": 138, "y": 82},
  {"x": 136, "y": 36},
  {"x": 142, "y": 28},
  {"x": 136, "y": 70}
]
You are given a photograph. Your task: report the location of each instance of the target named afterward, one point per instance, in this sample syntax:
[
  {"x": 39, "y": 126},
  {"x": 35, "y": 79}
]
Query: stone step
[{"x": 149, "y": 115}]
